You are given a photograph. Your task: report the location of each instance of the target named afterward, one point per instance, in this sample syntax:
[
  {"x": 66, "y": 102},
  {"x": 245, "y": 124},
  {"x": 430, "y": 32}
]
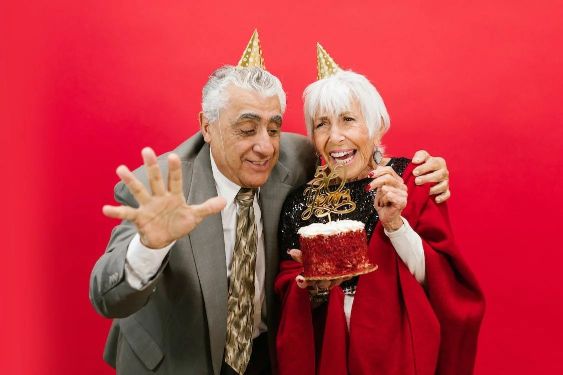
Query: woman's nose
[{"x": 336, "y": 135}]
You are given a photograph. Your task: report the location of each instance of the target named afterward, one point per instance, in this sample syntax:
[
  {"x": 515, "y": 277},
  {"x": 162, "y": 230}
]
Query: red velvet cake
[{"x": 335, "y": 249}]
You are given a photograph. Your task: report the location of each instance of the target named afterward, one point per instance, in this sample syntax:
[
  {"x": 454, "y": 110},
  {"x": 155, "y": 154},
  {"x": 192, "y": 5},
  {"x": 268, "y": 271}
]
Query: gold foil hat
[
  {"x": 252, "y": 55},
  {"x": 326, "y": 66}
]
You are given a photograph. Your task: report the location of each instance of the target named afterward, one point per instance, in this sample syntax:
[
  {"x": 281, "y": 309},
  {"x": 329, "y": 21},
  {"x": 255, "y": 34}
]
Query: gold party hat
[
  {"x": 252, "y": 55},
  {"x": 326, "y": 66}
]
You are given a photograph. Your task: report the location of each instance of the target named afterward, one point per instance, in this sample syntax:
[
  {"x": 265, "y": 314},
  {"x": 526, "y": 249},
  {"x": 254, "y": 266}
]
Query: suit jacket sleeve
[{"x": 110, "y": 293}]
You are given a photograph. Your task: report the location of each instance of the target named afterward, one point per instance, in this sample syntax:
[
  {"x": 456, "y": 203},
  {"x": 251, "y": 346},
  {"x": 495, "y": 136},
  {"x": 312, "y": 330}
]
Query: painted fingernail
[{"x": 367, "y": 188}]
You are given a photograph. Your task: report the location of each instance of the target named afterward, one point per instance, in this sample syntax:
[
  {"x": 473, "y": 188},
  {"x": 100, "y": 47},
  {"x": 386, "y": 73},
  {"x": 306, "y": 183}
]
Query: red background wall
[{"x": 84, "y": 85}]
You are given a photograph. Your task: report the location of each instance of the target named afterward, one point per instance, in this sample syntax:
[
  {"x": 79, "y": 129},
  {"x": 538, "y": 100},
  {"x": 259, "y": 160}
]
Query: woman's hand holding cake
[{"x": 314, "y": 286}]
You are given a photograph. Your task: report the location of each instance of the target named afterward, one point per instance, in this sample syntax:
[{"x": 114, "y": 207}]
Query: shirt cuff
[
  {"x": 142, "y": 263},
  {"x": 399, "y": 232},
  {"x": 408, "y": 245}
]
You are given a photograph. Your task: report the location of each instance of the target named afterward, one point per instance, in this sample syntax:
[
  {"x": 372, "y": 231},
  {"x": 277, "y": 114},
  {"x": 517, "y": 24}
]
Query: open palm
[{"x": 163, "y": 216}]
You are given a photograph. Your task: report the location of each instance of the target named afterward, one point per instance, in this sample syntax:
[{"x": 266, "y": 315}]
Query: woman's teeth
[{"x": 343, "y": 157}]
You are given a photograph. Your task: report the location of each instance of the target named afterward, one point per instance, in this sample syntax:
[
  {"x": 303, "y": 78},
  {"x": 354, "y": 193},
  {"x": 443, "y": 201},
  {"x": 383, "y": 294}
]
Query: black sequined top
[{"x": 294, "y": 205}]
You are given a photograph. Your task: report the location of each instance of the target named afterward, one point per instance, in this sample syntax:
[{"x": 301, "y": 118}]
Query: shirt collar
[{"x": 225, "y": 187}]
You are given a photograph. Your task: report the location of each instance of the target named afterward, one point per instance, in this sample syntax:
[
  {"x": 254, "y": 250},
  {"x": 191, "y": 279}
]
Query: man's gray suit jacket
[{"x": 177, "y": 323}]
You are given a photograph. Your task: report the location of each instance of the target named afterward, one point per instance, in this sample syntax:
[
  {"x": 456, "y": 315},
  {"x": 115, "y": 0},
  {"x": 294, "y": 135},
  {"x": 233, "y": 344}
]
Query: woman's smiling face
[{"x": 343, "y": 140}]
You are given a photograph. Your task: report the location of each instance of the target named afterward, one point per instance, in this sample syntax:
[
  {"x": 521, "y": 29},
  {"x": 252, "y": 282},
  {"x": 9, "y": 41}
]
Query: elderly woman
[{"x": 420, "y": 312}]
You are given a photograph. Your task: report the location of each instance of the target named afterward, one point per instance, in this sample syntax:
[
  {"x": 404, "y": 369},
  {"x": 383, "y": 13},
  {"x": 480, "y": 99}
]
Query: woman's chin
[{"x": 346, "y": 172}]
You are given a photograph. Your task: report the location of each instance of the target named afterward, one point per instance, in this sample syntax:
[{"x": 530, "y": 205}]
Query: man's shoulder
[
  {"x": 294, "y": 140},
  {"x": 297, "y": 156},
  {"x": 295, "y": 148},
  {"x": 190, "y": 148}
]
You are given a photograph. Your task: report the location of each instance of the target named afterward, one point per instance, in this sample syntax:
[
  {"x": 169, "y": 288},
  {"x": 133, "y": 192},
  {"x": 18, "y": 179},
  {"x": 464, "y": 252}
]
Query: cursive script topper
[{"x": 323, "y": 198}]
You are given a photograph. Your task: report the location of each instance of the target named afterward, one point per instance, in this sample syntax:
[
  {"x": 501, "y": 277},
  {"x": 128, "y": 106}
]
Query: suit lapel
[{"x": 208, "y": 248}]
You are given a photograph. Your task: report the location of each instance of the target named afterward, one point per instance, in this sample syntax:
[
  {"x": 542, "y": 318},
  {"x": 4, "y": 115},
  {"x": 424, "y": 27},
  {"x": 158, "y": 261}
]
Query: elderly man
[{"x": 190, "y": 284}]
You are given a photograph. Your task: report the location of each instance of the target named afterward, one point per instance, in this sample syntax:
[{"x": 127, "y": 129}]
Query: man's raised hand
[{"x": 163, "y": 215}]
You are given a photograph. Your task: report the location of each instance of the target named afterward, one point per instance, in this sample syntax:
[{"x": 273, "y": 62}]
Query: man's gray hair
[
  {"x": 215, "y": 96},
  {"x": 334, "y": 95}
]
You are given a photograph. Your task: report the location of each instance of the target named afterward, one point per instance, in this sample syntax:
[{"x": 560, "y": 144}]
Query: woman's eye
[
  {"x": 349, "y": 119},
  {"x": 320, "y": 125},
  {"x": 274, "y": 132}
]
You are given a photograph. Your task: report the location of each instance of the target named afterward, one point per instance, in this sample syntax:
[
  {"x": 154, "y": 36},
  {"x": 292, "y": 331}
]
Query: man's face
[{"x": 245, "y": 140}]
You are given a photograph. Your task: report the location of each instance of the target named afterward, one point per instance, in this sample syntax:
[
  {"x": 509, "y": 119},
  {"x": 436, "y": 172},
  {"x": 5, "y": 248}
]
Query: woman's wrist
[{"x": 393, "y": 225}]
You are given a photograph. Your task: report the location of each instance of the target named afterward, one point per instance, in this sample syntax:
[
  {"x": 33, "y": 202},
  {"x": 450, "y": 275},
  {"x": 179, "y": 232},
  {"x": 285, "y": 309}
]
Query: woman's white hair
[
  {"x": 215, "y": 96},
  {"x": 334, "y": 95}
]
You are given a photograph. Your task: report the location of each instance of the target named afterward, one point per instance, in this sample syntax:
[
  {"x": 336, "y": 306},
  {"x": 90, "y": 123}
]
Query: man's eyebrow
[
  {"x": 248, "y": 116},
  {"x": 277, "y": 119}
]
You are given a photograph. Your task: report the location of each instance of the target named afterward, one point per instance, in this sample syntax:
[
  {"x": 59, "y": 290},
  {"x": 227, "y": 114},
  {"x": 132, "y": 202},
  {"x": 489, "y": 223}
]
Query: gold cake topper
[
  {"x": 326, "y": 66},
  {"x": 322, "y": 200},
  {"x": 252, "y": 55}
]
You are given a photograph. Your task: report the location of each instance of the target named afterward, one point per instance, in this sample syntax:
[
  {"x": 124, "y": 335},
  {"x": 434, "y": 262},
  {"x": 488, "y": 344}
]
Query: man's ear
[{"x": 204, "y": 127}]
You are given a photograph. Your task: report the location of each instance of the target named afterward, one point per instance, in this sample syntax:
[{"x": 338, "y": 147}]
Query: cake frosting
[{"x": 330, "y": 228}]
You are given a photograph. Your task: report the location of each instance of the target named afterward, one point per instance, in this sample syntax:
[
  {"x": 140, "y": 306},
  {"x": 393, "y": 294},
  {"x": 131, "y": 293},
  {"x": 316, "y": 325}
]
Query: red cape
[{"x": 397, "y": 326}]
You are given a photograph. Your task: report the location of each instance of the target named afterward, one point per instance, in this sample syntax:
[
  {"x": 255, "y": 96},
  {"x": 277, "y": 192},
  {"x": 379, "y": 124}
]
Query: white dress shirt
[{"x": 142, "y": 263}]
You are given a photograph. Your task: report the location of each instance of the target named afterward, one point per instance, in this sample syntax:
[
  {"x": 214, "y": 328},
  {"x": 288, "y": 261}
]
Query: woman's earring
[{"x": 377, "y": 156}]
